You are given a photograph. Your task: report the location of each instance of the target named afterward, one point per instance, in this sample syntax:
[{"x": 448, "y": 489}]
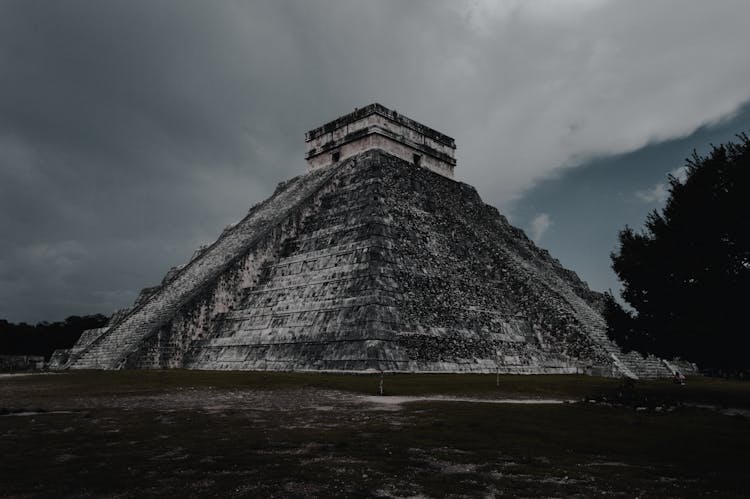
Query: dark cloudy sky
[{"x": 133, "y": 131}]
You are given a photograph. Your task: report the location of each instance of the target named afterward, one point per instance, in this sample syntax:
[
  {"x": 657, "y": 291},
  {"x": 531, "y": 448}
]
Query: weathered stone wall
[
  {"x": 377, "y": 127},
  {"x": 374, "y": 140},
  {"x": 374, "y": 265}
]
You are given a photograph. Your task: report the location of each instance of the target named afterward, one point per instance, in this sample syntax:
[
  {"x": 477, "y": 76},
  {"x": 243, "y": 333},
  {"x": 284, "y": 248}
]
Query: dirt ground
[{"x": 194, "y": 434}]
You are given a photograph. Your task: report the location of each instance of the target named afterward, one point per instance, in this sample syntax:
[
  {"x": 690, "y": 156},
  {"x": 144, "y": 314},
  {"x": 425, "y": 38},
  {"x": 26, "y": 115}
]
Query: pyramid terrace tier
[
  {"x": 376, "y": 127},
  {"x": 368, "y": 264}
]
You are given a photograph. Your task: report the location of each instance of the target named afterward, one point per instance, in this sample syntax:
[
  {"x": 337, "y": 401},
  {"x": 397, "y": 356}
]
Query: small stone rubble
[{"x": 371, "y": 263}]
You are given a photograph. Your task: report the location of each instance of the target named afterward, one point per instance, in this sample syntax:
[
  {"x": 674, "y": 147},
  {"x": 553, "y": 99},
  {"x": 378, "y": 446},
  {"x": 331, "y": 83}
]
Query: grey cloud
[
  {"x": 659, "y": 192},
  {"x": 139, "y": 129},
  {"x": 539, "y": 226},
  {"x": 656, "y": 194}
]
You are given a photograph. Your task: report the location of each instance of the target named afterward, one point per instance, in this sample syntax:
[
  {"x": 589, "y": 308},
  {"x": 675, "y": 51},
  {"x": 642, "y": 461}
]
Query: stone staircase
[
  {"x": 111, "y": 349},
  {"x": 597, "y": 328},
  {"x": 651, "y": 366},
  {"x": 592, "y": 322},
  {"x": 309, "y": 310},
  {"x": 632, "y": 364}
]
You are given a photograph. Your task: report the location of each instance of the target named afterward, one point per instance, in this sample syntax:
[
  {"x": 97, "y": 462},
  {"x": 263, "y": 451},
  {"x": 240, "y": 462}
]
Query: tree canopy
[
  {"x": 687, "y": 274},
  {"x": 44, "y": 338}
]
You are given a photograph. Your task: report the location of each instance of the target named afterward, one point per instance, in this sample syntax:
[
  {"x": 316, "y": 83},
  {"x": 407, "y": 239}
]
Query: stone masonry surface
[
  {"x": 371, "y": 263},
  {"x": 376, "y": 127}
]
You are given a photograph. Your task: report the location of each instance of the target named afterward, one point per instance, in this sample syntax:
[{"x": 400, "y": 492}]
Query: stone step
[{"x": 110, "y": 349}]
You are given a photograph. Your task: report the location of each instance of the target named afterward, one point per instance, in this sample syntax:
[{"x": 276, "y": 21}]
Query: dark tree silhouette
[
  {"x": 620, "y": 324},
  {"x": 44, "y": 337},
  {"x": 687, "y": 275}
]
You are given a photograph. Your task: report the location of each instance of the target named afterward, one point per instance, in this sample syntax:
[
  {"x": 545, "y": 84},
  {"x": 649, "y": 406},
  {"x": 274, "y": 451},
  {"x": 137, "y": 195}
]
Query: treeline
[{"x": 44, "y": 338}]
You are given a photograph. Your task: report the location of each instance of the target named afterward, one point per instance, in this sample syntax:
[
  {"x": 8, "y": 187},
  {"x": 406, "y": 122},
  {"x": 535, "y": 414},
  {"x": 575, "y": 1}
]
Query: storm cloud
[{"x": 131, "y": 132}]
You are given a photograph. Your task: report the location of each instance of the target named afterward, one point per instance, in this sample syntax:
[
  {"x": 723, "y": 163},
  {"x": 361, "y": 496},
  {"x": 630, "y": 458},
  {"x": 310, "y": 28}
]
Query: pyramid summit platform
[
  {"x": 373, "y": 260},
  {"x": 376, "y": 127}
]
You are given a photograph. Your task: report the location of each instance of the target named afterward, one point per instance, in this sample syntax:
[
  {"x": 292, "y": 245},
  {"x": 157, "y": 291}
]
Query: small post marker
[{"x": 497, "y": 368}]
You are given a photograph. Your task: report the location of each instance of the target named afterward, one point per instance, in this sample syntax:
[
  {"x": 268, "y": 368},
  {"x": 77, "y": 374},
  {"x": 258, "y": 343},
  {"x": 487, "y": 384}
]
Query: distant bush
[{"x": 44, "y": 338}]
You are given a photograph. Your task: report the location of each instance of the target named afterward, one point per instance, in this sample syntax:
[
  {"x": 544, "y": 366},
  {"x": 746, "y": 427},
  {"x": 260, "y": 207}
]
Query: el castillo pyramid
[{"x": 375, "y": 259}]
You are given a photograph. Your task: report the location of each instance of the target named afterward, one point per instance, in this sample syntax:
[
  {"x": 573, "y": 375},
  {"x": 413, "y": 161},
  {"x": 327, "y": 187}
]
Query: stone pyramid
[{"x": 374, "y": 260}]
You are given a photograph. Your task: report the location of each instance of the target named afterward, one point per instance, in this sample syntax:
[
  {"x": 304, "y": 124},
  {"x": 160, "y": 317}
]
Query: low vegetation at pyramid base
[{"x": 371, "y": 263}]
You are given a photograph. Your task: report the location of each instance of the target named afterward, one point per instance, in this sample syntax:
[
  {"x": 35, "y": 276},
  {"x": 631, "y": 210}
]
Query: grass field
[{"x": 194, "y": 433}]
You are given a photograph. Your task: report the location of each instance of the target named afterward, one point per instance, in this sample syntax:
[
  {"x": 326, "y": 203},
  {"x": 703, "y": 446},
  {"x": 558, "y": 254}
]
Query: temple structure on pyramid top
[{"x": 377, "y": 127}]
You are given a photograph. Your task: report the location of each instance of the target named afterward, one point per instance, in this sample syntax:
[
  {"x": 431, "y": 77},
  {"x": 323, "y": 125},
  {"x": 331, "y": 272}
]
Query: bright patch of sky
[
  {"x": 592, "y": 203},
  {"x": 659, "y": 192},
  {"x": 539, "y": 225}
]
